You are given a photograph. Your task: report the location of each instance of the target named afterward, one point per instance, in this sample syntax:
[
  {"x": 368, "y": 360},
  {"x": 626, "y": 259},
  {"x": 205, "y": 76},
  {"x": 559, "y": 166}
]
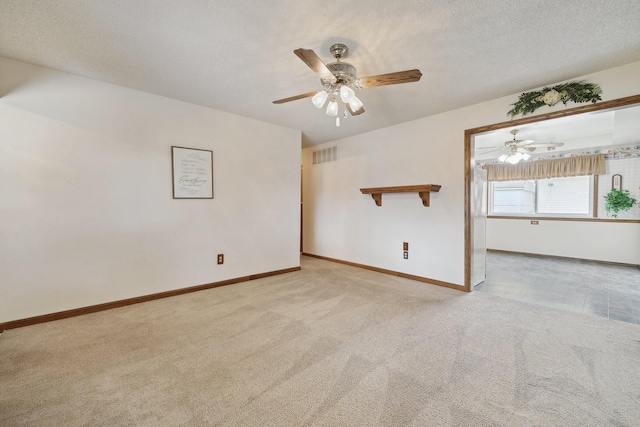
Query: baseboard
[
  {"x": 563, "y": 257},
  {"x": 129, "y": 301},
  {"x": 390, "y": 272}
]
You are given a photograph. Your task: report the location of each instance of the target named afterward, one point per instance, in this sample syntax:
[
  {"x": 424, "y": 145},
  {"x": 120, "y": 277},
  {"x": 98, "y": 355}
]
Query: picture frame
[{"x": 192, "y": 173}]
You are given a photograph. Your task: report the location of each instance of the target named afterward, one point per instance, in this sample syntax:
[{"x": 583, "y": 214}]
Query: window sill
[{"x": 561, "y": 218}]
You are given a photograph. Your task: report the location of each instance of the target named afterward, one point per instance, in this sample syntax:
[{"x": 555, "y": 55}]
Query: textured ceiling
[{"x": 237, "y": 56}]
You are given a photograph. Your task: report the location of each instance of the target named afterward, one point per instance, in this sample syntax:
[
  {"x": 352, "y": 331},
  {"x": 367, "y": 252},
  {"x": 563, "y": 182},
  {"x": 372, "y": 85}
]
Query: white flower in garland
[{"x": 552, "y": 97}]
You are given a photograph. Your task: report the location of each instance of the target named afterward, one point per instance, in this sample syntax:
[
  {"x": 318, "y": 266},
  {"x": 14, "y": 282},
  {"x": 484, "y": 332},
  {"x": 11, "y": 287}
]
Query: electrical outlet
[
  {"x": 405, "y": 246},
  {"x": 535, "y": 222},
  {"x": 406, "y": 255},
  {"x": 220, "y": 258}
]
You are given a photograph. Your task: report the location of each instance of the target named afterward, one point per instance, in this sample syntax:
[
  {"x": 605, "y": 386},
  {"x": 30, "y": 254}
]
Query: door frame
[{"x": 469, "y": 160}]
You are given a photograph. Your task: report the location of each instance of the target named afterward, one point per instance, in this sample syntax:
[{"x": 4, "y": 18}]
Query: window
[{"x": 566, "y": 197}]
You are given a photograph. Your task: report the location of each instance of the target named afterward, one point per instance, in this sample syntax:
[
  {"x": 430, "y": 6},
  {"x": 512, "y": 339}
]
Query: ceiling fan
[
  {"x": 339, "y": 81},
  {"x": 519, "y": 149}
]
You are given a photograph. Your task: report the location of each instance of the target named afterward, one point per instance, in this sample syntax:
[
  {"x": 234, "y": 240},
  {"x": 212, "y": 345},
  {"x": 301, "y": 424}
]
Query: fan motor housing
[{"x": 345, "y": 73}]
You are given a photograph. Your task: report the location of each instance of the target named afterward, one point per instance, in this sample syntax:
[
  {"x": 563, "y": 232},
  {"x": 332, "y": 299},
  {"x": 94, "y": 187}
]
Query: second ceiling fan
[
  {"x": 519, "y": 149},
  {"x": 339, "y": 81}
]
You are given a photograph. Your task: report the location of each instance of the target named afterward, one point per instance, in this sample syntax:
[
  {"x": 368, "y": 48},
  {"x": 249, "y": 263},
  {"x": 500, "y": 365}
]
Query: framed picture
[{"x": 192, "y": 171}]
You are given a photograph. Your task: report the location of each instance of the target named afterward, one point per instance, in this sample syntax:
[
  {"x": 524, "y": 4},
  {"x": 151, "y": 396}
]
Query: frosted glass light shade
[
  {"x": 514, "y": 158},
  {"x": 320, "y": 98},
  {"x": 346, "y": 94},
  {"x": 332, "y": 108},
  {"x": 355, "y": 103}
]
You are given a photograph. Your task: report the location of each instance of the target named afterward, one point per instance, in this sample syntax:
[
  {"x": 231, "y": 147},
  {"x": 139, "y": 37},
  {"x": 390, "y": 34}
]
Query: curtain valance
[{"x": 544, "y": 169}]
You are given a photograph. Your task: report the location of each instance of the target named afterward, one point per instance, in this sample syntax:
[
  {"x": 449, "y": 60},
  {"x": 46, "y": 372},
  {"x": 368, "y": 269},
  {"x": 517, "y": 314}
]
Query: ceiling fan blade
[
  {"x": 354, "y": 113},
  {"x": 294, "y": 98},
  {"x": 389, "y": 79},
  {"x": 545, "y": 144},
  {"x": 494, "y": 150},
  {"x": 495, "y": 147},
  {"x": 312, "y": 60}
]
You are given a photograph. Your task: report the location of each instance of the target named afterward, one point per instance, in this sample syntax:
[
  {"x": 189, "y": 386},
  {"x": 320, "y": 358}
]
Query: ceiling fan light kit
[
  {"x": 514, "y": 158},
  {"x": 339, "y": 87},
  {"x": 339, "y": 81}
]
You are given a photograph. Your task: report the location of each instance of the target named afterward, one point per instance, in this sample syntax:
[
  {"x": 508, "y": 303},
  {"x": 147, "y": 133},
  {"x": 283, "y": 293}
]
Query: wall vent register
[{"x": 325, "y": 155}]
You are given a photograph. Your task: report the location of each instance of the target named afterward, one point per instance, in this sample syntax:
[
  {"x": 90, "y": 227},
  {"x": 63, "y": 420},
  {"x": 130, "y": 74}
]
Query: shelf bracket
[{"x": 424, "y": 195}]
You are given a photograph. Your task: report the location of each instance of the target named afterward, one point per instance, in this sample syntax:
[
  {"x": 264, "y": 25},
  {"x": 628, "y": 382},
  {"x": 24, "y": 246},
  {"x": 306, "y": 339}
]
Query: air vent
[{"x": 325, "y": 155}]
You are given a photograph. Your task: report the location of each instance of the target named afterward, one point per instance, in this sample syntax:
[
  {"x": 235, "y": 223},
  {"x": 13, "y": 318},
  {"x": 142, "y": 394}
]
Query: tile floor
[{"x": 599, "y": 289}]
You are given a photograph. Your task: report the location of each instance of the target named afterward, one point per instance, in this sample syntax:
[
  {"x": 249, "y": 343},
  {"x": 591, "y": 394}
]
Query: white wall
[
  {"x": 87, "y": 214},
  {"x": 342, "y": 223},
  {"x": 604, "y": 241}
]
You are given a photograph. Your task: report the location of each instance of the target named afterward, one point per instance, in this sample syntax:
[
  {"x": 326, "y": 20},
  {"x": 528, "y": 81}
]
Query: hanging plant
[
  {"x": 579, "y": 91},
  {"x": 618, "y": 200}
]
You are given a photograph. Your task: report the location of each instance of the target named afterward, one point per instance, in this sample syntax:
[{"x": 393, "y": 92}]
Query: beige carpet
[{"x": 329, "y": 345}]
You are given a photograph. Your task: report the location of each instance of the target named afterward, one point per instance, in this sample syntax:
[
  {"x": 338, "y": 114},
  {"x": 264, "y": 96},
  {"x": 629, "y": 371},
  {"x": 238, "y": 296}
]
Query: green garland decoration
[{"x": 578, "y": 91}]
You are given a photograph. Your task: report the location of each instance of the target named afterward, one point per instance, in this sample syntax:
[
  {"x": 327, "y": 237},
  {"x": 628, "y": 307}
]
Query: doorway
[
  {"x": 593, "y": 288},
  {"x": 470, "y": 161}
]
